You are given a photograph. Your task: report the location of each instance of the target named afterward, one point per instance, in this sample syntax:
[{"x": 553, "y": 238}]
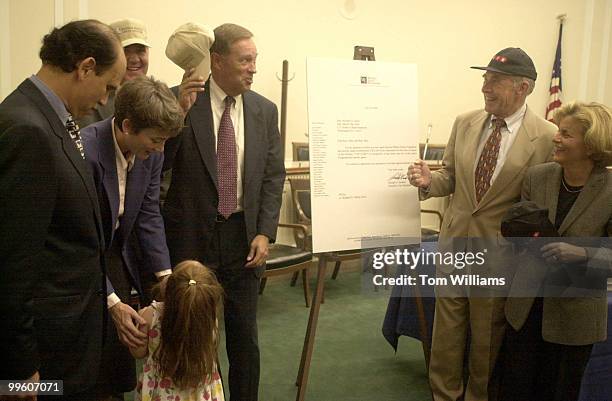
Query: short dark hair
[
  {"x": 65, "y": 47},
  {"x": 148, "y": 103},
  {"x": 226, "y": 35}
]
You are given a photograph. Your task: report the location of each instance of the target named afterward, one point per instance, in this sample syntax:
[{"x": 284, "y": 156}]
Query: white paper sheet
[{"x": 363, "y": 135}]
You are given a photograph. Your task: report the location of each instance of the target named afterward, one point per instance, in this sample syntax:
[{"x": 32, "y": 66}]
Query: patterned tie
[
  {"x": 488, "y": 159},
  {"x": 73, "y": 130},
  {"x": 227, "y": 170}
]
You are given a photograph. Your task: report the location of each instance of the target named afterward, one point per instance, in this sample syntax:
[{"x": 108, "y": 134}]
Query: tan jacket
[
  {"x": 570, "y": 321},
  {"x": 468, "y": 225}
]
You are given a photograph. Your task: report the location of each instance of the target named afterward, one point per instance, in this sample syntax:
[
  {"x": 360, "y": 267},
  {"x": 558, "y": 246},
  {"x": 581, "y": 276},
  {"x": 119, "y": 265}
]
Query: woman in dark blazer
[{"x": 548, "y": 345}]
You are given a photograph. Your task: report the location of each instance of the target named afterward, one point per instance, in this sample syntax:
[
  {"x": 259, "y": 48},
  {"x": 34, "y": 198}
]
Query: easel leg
[{"x": 302, "y": 379}]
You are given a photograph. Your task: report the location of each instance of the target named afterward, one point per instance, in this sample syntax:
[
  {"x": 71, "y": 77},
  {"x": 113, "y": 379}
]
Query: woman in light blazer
[{"x": 548, "y": 345}]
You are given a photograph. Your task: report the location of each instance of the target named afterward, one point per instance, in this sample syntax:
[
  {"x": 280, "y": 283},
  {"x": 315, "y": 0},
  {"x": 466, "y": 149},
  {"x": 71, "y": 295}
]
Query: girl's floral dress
[{"x": 152, "y": 387}]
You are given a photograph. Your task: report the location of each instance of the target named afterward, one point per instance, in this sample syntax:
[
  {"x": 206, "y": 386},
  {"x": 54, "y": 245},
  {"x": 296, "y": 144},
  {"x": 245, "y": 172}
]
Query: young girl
[{"x": 182, "y": 338}]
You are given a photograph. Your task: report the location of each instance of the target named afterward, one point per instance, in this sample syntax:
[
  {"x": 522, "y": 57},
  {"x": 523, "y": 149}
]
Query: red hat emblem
[{"x": 501, "y": 59}]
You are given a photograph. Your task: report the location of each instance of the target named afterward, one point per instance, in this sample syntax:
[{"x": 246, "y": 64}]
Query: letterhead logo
[{"x": 368, "y": 80}]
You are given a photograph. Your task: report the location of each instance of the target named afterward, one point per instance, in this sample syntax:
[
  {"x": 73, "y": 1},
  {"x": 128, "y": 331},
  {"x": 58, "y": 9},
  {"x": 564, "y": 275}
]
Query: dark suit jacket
[
  {"x": 190, "y": 209},
  {"x": 141, "y": 205},
  {"x": 51, "y": 287},
  {"x": 569, "y": 320}
]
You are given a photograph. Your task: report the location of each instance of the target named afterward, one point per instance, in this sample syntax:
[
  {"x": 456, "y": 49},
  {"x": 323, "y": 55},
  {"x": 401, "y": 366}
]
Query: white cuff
[
  {"x": 163, "y": 273},
  {"x": 112, "y": 300}
]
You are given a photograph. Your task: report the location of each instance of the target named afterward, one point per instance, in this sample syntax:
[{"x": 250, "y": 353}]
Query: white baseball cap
[
  {"x": 189, "y": 47},
  {"x": 131, "y": 31}
]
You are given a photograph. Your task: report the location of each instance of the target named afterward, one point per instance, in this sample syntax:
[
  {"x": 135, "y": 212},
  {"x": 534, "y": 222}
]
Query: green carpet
[{"x": 351, "y": 361}]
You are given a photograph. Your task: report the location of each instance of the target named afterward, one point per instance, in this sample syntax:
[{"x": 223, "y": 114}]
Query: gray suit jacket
[{"x": 570, "y": 320}]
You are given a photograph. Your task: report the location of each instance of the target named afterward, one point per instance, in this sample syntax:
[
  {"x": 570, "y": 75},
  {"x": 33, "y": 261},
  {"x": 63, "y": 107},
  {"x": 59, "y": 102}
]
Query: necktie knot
[
  {"x": 229, "y": 101},
  {"x": 499, "y": 123}
]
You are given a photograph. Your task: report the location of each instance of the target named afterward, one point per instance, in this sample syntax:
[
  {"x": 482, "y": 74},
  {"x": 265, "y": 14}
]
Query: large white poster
[{"x": 363, "y": 135}]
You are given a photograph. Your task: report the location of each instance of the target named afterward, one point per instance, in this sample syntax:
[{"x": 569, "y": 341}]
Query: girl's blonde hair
[{"x": 187, "y": 352}]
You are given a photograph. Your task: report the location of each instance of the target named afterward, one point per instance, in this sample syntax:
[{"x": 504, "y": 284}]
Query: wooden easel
[{"x": 360, "y": 53}]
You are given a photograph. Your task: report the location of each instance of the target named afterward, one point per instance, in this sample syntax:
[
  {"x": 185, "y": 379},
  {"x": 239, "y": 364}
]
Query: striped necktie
[
  {"x": 227, "y": 163},
  {"x": 75, "y": 133},
  {"x": 488, "y": 160}
]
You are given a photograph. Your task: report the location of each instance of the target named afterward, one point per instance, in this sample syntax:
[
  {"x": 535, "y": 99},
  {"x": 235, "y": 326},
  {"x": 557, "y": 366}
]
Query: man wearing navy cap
[{"x": 483, "y": 167}]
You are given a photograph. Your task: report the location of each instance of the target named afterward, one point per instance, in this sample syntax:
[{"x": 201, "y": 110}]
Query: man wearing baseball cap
[
  {"x": 135, "y": 43},
  {"x": 483, "y": 167}
]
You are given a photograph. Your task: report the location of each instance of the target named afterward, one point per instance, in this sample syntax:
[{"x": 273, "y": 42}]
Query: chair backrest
[
  {"x": 427, "y": 234},
  {"x": 434, "y": 151},
  {"x": 303, "y": 202},
  {"x": 300, "y": 195},
  {"x": 300, "y": 151}
]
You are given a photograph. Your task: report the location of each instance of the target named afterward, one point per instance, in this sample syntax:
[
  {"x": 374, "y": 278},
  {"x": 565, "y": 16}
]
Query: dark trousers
[
  {"x": 118, "y": 368},
  {"x": 536, "y": 370},
  {"x": 226, "y": 254}
]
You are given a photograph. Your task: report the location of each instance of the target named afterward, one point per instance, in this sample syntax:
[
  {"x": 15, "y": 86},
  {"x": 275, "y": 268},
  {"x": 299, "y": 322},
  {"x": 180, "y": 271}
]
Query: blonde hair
[
  {"x": 596, "y": 122},
  {"x": 187, "y": 351}
]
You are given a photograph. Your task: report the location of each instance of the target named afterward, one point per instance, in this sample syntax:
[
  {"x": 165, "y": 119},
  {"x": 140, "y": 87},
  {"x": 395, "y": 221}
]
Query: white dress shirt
[{"x": 123, "y": 167}]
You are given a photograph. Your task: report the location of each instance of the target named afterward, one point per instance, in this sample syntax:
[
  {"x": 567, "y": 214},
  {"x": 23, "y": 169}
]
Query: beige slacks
[{"x": 484, "y": 316}]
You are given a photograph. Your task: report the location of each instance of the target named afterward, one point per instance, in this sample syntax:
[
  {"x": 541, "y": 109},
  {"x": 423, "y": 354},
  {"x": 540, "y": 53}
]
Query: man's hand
[
  {"x": 30, "y": 396},
  {"x": 419, "y": 174},
  {"x": 189, "y": 88},
  {"x": 126, "y": 321},
  {"x": 562, "y": 252},
  {"x": 259, "y": 251}
]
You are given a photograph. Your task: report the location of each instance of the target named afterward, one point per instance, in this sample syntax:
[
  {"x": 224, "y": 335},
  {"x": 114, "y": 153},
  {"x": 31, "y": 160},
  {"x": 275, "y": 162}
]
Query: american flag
[{"x": 554, "y": 99}]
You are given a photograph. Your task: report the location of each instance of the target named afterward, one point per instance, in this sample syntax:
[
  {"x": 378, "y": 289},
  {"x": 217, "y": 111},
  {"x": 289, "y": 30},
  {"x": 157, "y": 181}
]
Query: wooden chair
[
  {"x": 435, "y": 152},
  {"x": 300, "y": 151},
  {"x": 300, "y": 195}
]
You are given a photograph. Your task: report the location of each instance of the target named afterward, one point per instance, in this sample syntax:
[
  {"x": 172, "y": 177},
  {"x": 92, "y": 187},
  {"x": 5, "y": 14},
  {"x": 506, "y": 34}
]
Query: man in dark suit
[
  {"x": 125, "y": 154},
  {"x": 223, "y": 204},
  {"x": 51, "y": 291}
]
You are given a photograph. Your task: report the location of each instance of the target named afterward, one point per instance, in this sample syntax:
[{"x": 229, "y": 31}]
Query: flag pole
[{"x": 556, "y": 87}]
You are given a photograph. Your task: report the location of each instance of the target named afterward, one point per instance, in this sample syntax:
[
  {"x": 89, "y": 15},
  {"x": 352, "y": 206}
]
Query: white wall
[{"x": 442, "y": 37}]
